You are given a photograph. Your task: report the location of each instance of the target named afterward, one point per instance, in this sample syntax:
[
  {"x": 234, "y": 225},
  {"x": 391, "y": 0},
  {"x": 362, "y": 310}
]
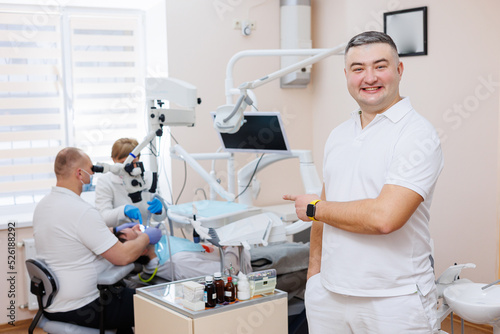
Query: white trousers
[{"x": 332, "y": 313}]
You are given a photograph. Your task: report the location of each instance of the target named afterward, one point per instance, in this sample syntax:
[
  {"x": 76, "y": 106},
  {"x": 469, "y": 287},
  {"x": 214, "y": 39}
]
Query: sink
[{"x": 473, "y": 304}]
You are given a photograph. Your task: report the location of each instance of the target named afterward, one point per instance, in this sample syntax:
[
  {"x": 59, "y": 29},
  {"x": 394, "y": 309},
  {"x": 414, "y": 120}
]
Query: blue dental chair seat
[{"x": 44, "y": 285}]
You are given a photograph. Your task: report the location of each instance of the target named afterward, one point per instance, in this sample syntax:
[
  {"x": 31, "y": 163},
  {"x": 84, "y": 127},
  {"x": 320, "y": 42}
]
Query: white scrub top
[{"x": 111, "y": 198}]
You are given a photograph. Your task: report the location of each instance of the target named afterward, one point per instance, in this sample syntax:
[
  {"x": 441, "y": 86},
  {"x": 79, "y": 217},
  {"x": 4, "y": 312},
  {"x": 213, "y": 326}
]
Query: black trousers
[{"x": 119, "y": 311}]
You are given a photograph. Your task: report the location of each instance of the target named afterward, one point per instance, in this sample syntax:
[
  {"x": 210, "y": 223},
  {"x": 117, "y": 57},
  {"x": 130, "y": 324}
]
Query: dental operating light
[{"x": 229, "y": 118}]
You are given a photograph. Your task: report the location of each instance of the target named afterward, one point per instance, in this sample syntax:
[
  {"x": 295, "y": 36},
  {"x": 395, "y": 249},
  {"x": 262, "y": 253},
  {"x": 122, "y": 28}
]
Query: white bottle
[{"x": 243, "y": 287}]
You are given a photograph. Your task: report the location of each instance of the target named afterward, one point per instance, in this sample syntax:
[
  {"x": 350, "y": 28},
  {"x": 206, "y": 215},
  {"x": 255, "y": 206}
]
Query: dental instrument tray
[{"x": 262, "y": 282}]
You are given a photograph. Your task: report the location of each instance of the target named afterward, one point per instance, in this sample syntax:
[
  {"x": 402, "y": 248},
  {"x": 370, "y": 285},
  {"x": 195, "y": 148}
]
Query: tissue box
[{"x": 193, "y": 296}]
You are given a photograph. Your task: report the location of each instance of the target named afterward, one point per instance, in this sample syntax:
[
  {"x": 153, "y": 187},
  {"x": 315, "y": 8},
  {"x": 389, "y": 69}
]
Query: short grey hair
[{"x": 370, "y": 37}]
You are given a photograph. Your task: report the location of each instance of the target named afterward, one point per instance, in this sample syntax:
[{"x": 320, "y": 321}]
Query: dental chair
[{"x": 44, "y": 286}]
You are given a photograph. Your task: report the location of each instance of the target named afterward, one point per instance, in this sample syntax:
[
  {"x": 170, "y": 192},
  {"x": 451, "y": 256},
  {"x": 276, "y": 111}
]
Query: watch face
[{"x": 311, "y": 210}]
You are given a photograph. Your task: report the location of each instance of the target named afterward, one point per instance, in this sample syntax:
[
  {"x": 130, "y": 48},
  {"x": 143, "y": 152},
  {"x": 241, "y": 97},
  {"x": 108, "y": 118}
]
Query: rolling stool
[{"x": 44, "y": 286}]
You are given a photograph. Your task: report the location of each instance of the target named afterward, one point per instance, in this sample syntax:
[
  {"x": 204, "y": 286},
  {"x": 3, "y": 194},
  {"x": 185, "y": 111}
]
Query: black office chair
[{"x": 44, "y": 285}]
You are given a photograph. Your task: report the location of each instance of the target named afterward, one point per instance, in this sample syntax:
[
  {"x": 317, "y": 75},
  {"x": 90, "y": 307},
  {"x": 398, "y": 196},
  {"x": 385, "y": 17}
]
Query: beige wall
[
  {"x": 455, "y": 87},
  {"x": 201, "y": 40}
]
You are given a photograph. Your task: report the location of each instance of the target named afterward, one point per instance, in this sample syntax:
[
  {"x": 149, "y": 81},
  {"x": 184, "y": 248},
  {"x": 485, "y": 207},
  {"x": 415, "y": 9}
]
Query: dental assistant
[
  {"x": 111, "y": 197},
  {"x": 370, "y": 266}
]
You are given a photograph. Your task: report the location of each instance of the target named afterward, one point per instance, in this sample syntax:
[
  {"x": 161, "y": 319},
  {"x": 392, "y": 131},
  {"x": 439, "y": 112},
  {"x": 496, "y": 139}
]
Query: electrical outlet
[{"x": 237, "y": 24}]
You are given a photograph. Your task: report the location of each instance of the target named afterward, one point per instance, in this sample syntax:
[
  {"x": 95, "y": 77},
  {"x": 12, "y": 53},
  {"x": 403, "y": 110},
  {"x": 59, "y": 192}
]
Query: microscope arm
[{"x": 145, "y": 142}]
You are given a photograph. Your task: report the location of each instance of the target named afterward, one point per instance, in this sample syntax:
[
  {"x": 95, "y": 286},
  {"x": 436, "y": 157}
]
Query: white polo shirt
[
  {"x": 69, "y": 236},
  {"x": 398, "y": 147},
  {"x": 111, "y": 196}
]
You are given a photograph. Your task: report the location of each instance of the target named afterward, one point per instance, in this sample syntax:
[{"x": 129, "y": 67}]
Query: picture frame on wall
[{"x": 408, "y": 29}]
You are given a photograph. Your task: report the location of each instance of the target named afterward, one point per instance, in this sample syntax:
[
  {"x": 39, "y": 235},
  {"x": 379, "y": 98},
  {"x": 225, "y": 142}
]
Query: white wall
[{"x": 461, "y": 71}]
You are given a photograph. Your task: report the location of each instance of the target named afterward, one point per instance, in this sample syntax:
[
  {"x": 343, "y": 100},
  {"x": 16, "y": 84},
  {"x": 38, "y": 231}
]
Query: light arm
[
  {"x": 229, "y": 85},
  {"x": 177, "y": 149},
  {"x": 292, "y": 68},
  {"x": 229, "y": 118}
]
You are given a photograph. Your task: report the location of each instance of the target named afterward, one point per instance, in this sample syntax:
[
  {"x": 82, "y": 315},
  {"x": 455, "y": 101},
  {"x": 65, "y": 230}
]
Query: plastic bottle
[
  {"x": 219, "y": 287},
  {"x": 243, "y": 287},
  {"x": 229, "y": 291},
  {"x": 210, "y": 296}
]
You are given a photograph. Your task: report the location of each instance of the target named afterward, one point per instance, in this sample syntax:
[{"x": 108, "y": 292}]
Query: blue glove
[
  {"x": 155, "y": 206},
  {"x": 123, "y": 226},
  {"x": 133, "y": 212},
  {"x": 154, "y": 235}
]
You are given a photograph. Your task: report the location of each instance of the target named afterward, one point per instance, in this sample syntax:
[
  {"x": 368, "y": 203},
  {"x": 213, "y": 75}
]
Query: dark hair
[
  {"x": 143, "y": 259},
  {"x": 370, "y": 37}
]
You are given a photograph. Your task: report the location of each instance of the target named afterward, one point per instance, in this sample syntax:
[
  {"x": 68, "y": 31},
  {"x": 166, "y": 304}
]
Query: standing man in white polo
[{"x": 370, "y": 267}]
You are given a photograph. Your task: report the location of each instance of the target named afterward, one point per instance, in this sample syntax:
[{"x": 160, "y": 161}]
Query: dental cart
[{"x": 159, "y": 309}]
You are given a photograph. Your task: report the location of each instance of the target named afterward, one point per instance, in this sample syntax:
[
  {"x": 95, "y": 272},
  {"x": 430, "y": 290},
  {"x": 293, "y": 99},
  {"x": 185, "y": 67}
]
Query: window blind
[
  {"x": 107, "y": 81},
  {"x": 77, "y": 80},
  {"x": 31, "y": 106}
]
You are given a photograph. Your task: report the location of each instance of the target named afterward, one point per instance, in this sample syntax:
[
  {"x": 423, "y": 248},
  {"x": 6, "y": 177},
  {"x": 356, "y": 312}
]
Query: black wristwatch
[{"x": 311, "y": 210}]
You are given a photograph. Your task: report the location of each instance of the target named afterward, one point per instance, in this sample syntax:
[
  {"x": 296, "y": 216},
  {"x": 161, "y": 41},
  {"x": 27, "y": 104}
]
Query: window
[{"x": 68, "y": 78}]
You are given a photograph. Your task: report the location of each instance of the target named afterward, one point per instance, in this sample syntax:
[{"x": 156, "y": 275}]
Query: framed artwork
[{"x": 408, "y": 29}]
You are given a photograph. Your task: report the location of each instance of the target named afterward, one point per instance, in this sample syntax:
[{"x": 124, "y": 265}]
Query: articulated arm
[{"x": 229, "y": 118}]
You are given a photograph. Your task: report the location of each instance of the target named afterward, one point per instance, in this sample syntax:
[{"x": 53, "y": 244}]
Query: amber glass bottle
[
  {"x": 210, "y": 296},
  {"x": 219, "y": 287},
  {"x": 230, "y": 290}
]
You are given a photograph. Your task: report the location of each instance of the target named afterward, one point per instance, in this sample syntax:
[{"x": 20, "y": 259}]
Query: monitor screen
[{"x": 262, "y": 132}]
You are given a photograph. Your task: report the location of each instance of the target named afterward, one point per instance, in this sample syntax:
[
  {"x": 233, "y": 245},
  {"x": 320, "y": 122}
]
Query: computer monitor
[{"x": 263, "y": 132}]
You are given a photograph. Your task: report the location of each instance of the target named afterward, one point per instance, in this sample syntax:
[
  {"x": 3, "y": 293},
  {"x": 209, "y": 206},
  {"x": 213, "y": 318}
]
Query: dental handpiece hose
[
  {"x": 196, "y": 236},
  {"x": 148, "y": 219}
]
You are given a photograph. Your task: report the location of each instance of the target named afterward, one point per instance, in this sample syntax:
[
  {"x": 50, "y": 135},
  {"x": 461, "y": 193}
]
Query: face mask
[{"x": 88, "y": 186}]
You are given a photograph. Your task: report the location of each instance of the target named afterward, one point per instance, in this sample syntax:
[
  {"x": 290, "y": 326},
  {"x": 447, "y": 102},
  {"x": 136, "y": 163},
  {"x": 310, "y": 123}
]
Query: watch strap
[{"x": 313, "y": 203}]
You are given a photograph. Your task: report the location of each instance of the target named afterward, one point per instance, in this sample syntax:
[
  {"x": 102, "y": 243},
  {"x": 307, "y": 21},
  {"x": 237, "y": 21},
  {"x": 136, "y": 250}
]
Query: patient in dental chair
[{"x": 188, "y": 259}]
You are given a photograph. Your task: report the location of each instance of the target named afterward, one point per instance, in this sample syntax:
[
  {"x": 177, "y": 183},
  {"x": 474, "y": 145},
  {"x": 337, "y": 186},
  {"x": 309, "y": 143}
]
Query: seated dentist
[
  {"x": 189, "y": 259},
  {"x": 111, "y": 197},
  {"x": 73, "y": 239}
]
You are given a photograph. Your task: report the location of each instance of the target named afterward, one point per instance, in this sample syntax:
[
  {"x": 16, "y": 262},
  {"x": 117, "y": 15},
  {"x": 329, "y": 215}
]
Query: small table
[{"x": 158, "y": 309}]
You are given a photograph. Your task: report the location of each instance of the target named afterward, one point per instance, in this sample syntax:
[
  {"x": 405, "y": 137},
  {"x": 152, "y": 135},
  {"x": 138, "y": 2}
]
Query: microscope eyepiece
[{"x": 97, "y": 169}]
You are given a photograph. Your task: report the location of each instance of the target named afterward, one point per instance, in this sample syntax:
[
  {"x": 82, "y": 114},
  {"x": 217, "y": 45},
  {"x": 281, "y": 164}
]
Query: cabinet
[{"x": 158, "y": 309}]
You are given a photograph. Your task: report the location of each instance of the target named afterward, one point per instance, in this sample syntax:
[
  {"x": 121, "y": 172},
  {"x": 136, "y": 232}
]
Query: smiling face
[{"x": 373, "y": 72}]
